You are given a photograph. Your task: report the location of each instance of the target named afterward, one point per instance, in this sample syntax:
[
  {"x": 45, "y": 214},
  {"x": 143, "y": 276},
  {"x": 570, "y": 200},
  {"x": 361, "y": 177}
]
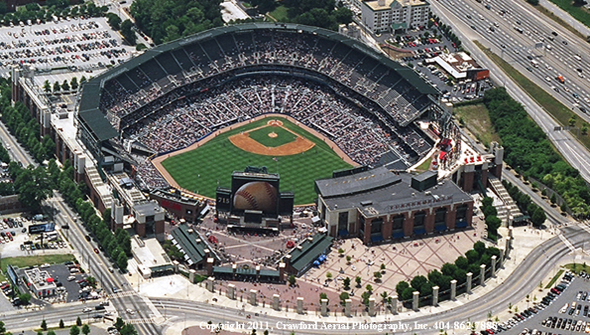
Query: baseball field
[{"x": 299, "y": 156}]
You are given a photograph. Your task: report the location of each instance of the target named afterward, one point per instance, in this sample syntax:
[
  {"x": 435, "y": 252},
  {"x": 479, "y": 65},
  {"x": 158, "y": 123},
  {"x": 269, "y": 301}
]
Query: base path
[{"x": 246, "y": 143}]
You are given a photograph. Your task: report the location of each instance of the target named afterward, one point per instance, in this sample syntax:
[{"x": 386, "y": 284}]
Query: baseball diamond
[{"x": 210, "y": 162}]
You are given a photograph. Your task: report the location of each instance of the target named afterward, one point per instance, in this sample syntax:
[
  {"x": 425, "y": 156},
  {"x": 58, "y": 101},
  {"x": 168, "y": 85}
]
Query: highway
[
  {"x": 574, "y": 152},
  {"x": 560, "y": 52}
]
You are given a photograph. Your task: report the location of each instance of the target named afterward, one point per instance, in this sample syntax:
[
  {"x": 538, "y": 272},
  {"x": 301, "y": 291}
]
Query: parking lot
[
  {"x": 16, "y": 241},
  {"x": 565, "y": 309},
  {"x": 427, "y": 44},
  {"x": 79, "y": 44}
]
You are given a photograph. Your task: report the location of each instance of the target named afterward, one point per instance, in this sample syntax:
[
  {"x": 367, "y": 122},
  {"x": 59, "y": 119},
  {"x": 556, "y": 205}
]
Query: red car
[{"x": 96, "y": 251}]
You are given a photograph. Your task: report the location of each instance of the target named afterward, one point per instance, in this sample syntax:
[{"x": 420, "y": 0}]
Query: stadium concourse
[{"x": 176, "y": 94}]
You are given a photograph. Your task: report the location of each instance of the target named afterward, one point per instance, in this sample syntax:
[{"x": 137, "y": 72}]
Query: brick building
[{"x": 379, "y": 205}]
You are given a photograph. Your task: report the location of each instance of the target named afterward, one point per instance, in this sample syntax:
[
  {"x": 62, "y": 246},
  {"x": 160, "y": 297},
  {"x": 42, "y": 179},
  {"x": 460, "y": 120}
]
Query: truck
[
  {"x": 534, "y": 63},
  {"x": 561, "y": 79}
]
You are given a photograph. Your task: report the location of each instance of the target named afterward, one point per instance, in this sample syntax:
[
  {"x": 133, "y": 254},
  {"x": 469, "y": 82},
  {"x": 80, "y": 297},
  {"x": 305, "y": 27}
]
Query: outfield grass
[
  {"x": 556, "y": 109},
  {"x": 283, "y": 136},
  {"x": 211, "y": 165},
  {"x": 477, "y": 119},
  {"x": 26, "y": 261}
]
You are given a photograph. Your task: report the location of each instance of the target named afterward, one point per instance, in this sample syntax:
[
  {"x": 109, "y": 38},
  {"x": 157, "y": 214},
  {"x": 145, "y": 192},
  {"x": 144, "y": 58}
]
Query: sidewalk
[{"x": 177, "y": 286}]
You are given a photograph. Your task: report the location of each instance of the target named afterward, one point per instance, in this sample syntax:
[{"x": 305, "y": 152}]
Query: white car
[
  {"x": 87, "y": 310},
  {"x": 129, "y": 311}
]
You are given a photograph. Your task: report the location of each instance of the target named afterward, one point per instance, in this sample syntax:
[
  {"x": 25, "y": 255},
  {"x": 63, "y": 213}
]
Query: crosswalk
[
  {"x": 141, "y": 321},
  {"x": 566, "y": 242}
]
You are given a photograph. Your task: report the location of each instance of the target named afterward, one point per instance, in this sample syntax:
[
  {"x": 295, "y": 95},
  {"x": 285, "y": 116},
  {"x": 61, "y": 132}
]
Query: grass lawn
[
  {"x": 561, "y": 22},
  {"x": 577, "y": 267},
  {"x": 555, "y": 278},
  {"x": 279, "y": 14},
  {"x": 211, "y": 165},
  {"x": 425, "y": 166},
  {"x": 477, "y": 119},
  {"x": 26, "y": 261},
  {"x": 283, "y": 136},
  {"x": 579, "y": 13},
  {"x": 555, "y": 108}
]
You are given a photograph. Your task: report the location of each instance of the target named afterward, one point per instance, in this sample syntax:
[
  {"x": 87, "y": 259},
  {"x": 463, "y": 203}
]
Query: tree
[
  {"x": 61, "y": 323},
  {"x": 480, "y": 247},
  {"x": 128, "y": 32},
  {"x": 461, "y": 262},
  {"x": 65, "y": 85},
  {"x": 292, "y": 280},
  {"x": 369, "y": 288},
  {"x": 418, "y": 281},
  {"x": 33, "y": 186},
  {"x": 348, "y": 259},
  {"x": 74, "y": 83},
  {"x": 56, "y": 87},
  {"x": 400, "y": 287},
  {"x": 264, "y": 6},
  {"x": 122, "y": 261},
  {"x": 329, "y": 275},
  {"x": 114, "y": 21},
  {"x": 493, "y": 223},
  {"x": 85, "y": 329},
  {"x": 39, "y": 333},
  {"x": 323, "y": 296},
  {"x": 343, "y": 297},
  {"x": 378, "y": 276},
  {"x": 75, "y": 330},
  {"x": 128, "y": 329},
  {"x": 47, "y": 86},
  {"x": 343, "y": 15},
  {"x": 2, "y": 328},
  {"x": 79, "y": 322},
  {"x": 25, "y": 298},
  {"x": 358, "y": 281},
  {"x": 346, "y": 283},
  {"x": 340, "y": 252},
  {"x": 51, "y": 332},
  {"x": 448, "y": 269},
  {"x": 119, "y": 324},
  {"x": 44, "y": 324},
  {"x": 539, "y": 217}
]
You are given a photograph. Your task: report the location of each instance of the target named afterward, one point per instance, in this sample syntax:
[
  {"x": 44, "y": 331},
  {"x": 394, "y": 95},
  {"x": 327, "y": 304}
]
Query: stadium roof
[
  {"x": 187, "y": 241},
  {"x": 101, "y": 128},
  {"x": 356, "y": 183},
  {"x": 310, "y": 250},
  {"x": 399, "y": 197}
]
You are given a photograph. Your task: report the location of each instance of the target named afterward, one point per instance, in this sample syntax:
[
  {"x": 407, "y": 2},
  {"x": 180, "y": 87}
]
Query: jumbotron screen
[{"x": 255, "y": 191}]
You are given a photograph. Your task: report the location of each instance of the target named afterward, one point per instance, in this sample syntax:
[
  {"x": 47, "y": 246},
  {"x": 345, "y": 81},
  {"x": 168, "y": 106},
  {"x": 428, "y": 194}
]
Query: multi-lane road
[
  {"x": 558, "y": 51},
  {"x": 96, "y": 264},
  {"x": 574, "y": 152}
]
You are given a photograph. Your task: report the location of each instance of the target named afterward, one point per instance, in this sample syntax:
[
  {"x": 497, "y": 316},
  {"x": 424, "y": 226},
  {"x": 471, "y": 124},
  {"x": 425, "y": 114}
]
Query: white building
[{"x": 391, "y": 15}]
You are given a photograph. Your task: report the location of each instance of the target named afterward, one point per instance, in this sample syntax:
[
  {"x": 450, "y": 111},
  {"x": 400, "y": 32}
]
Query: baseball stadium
[{"x": 301, "y": 101}]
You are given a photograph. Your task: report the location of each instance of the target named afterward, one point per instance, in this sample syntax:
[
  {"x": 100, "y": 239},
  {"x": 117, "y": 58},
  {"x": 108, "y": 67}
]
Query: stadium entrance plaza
[
  {"x": 403, "y": 260},
  {"x": 177, "y": 286}
]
